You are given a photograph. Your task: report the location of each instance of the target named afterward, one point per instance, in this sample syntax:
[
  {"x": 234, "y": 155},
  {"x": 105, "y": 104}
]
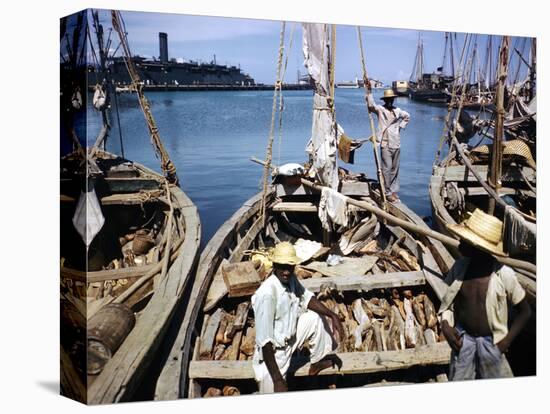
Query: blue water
[{"x": 210, "y": 137}]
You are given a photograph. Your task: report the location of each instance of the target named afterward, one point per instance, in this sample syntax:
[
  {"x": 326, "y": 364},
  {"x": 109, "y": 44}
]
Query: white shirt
[
  {"x": 276, "y": 311},
  {"x": 390, "y": 123},
  {"x": 503, "y": 288}
]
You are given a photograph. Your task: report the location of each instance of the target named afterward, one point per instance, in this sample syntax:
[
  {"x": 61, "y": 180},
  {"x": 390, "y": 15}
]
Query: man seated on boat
[
  {"x": 286, "y": 317},
  {"x": 391, "y": 121},
  {"x": 477, "y": 302}
]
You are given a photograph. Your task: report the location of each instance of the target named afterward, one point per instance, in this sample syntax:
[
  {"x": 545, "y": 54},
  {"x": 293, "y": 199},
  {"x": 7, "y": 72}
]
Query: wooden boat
[
  {"x": 460, "y": 183},
  {"x": 129, "y": 248},
  {"x": 151, "y": 285},
  {"x": 292, "y": 214}
]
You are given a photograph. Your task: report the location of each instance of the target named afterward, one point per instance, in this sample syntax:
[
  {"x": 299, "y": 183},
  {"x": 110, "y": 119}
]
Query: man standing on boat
[
  {"x": 480, "y": 290},
  {"x": 287, "y": 316},
  {"x": 391, "y": 121}
]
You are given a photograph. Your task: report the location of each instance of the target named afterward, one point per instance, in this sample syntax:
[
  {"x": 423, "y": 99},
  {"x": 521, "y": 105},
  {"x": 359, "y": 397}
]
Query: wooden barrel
[{"x": 107, "y": 329}]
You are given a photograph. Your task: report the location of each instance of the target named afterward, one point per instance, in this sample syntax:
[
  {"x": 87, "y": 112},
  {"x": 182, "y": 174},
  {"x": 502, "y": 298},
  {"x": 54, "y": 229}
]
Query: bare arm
[
  {"x": 279, "y": 382},
  {"x": 316, "y": 306},
  {"x": 518, "y": 324},
  {"x": 370, "y": 103}
]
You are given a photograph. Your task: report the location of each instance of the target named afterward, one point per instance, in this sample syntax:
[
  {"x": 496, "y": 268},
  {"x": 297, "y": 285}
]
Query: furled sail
[{"x": 322, "y": 146}]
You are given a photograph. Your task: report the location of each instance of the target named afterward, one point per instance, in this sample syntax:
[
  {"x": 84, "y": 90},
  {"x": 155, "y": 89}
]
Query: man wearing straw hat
[
  {"x": 287, "y": 316},
  {"x": 477, "y": 302},
  {"x": 391, "y": 121}
]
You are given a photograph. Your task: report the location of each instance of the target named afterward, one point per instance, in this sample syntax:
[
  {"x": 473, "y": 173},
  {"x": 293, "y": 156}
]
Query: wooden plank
[
  {"x": 298, "y": 207},
  {"x": 218, "y": 289},
  {"x": 477, "y": 191},
  {"x": 461, "y": 173},
  {"x": 349, "y": 188},
  {"x": 349, "y": 266},
  {"x": 207, "y": 340},
  {"x": 366, "y": 283},
  {"x": 103, "y": 275},
  {"x": 352, "y": 363},
  {"x": 130, "y": 198}
]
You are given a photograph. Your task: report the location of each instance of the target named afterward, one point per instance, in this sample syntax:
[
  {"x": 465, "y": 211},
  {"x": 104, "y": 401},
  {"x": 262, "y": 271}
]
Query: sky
[{"x": 254, "y": 44}]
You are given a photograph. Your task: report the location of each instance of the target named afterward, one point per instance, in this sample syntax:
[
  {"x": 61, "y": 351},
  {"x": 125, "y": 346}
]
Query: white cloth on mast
[
  {"x": 315, "y": 45},
  {"x": 332, "y": 209},
  {"x": 322, "y": 146},
  {"x": 88, "y": 218}
]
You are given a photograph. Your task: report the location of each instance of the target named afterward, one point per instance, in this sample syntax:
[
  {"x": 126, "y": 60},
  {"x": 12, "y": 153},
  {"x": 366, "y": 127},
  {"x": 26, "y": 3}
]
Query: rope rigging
[{"x": 166, "y": 164}]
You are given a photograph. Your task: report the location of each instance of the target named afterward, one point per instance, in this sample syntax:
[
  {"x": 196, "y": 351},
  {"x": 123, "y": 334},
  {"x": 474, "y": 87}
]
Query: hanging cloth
[
  {"x": 332, "y": 209},
  {"x": 88, "y": 218}
]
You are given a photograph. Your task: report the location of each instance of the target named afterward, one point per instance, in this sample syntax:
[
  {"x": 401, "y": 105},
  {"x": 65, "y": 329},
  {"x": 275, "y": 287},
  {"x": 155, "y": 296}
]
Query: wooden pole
[
  {"x": 374, "y": 138},
  {"x": 406, "y": 225},
  {"x": 496, "y": 154}
]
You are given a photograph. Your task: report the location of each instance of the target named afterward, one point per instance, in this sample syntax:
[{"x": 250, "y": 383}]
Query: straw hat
[
  {"x": 514, "y": 147},
  {"x": 480, "y": 230},
  {"x": 285, "y": 253},
  {"x": 388, "y": 93}
]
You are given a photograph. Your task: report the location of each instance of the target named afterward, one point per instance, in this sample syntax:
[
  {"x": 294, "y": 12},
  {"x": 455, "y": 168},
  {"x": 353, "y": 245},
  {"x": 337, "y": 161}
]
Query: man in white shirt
[
  {"x": 477, "y": 302},
  {"x": 286, "y": 317},
  {"x": 391, "y": 121}
]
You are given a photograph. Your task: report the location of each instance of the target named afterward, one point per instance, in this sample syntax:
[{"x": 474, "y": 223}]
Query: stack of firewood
[{"x": 392, "y": 323}]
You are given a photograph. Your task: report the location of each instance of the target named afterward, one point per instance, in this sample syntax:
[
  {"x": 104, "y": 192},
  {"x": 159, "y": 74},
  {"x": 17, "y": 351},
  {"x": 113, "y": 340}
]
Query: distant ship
[
  {"x": 165, "y": 71},
  {"x": 358, "y": 83}
]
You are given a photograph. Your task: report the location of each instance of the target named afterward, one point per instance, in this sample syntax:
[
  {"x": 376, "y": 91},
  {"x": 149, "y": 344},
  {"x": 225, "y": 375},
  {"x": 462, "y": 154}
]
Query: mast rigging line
[
  {"x": 166, "y": 164},
  {"x": 269, "y": 150}
]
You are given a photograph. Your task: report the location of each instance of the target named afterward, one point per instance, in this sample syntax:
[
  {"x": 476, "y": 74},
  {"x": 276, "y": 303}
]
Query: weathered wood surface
[
  {"x": 104, "y": 275},
  {"x": 129, "y": 199},
  {"x": 125, "y": 372},
  {"x": 298, "y": 207},
  {"x": 352, "y": 363},
  {"x": 461, "y": 173},
  {"x": 218, "y": 289},
  {"x": 241, "y": 278},
  {"x": 349, "y": 188},
  {"x": 349, "y": 266},
  {"x": 172, "y": 382},
  {"x": 366, "y": 283},
  {"x": 480, "y": 191},
  {"x": 207, "y": 340}
]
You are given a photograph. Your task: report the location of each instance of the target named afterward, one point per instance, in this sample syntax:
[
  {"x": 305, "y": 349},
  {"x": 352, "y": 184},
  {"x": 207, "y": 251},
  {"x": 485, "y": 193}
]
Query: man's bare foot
[{"x": 326, "y": 362}]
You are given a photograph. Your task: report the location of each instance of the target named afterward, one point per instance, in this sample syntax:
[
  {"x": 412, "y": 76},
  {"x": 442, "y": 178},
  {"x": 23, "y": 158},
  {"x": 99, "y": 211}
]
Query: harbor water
[{"x": 211, "y": 136}]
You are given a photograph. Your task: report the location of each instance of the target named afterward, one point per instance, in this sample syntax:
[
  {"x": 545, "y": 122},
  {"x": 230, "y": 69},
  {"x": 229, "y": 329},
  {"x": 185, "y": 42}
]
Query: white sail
[{"x": 322, "y": 146}]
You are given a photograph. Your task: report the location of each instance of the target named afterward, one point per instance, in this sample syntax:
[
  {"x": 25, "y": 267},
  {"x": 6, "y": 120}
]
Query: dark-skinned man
[
  {"x": 474, "y": 311},
  {"x": 286, "y": 317},
  {"x": 391, "y": 121}
]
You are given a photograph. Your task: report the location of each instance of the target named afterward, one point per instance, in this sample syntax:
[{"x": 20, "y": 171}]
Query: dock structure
[{"x": 204, "y": 87}]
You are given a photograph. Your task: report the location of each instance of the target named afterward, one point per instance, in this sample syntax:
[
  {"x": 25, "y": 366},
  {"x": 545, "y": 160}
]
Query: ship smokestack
[{"x": 163, "y": 46}]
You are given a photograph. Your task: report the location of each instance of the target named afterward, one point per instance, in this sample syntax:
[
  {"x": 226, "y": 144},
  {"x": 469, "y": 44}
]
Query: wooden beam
[
  {"x": 298, "y": 207},
  {"x": 129, "y": 198},
  {"x": 461, "y": 173},
  {"x": 366, "y": 283},
  {"x": 352, "y": 363}
]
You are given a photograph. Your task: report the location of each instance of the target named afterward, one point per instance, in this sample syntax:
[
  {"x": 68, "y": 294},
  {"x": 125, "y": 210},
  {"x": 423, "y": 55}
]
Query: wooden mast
[{"x": 496, "y": 154}]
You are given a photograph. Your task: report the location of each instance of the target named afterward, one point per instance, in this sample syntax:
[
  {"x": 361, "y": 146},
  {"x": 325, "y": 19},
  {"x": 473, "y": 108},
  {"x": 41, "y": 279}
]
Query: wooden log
[
  {"x": 213, "y": 392},
  {"x": 410, "y": 329},
  {"x": 249, "y": 342},
  {"x": 430, "y": 337},
  {"x": 241, "y": 278},
  {"x": 240, "y": 318},
  {"x": 363, "y": 321},
  {"x": 207, "y": 340},
  {"x": 352, "y": 363},
  {"x": 418, "y": 309},
  {"x": 377, "y": 335},
  {"x": 231, "y": 390},
  {"x": 234, "y": 349},
  {"x": 430, "y": 312}
]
